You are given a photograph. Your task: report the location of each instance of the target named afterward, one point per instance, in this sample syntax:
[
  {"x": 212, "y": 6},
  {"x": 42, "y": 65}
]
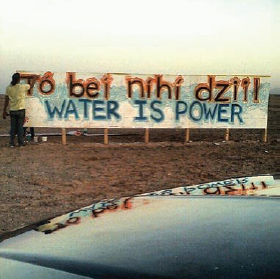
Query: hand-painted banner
[{"x": 85, "y": 100}]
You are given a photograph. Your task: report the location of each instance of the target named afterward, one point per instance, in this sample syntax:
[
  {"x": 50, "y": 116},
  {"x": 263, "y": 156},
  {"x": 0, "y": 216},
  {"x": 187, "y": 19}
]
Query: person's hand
[{"x": 5, "y": 114}]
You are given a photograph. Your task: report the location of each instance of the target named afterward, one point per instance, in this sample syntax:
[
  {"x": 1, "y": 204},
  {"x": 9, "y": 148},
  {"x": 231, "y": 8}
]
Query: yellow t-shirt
[{"x": 16, "y": 94}]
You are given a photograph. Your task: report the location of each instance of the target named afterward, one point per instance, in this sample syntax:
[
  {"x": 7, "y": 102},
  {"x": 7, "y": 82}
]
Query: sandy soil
[{"x": 46, "y": 179}]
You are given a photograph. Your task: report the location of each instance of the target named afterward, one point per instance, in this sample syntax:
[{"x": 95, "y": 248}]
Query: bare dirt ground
[{"x": 46, "y": 179}]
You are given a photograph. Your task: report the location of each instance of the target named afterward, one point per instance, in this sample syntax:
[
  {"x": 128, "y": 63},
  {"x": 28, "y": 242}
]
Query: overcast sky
[{"x": 175, "y": 37}]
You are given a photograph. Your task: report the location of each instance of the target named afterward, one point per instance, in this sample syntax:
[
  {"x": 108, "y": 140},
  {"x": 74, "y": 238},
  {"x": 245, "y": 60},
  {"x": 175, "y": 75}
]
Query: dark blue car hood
[{"x": 164, "y": 234}]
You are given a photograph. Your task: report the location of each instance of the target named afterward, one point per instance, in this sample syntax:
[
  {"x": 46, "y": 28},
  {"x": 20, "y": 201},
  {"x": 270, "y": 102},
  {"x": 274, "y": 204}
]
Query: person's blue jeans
[{"x": 17, "y": 121}]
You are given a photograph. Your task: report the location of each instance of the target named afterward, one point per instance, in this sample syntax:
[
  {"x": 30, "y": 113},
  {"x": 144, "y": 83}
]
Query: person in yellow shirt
[{"x": 15, "y": 96}]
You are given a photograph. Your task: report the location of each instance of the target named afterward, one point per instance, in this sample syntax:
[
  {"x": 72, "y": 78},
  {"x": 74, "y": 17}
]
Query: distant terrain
[{"x": 275, "y": 91}]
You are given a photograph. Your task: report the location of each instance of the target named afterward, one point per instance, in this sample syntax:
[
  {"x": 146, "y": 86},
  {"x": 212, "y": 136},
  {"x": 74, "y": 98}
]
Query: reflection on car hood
[{"x": 221, "y": 229}]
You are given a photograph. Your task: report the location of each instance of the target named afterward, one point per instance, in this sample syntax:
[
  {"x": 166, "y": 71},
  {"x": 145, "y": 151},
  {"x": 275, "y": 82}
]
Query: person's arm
[
  {"x": 33, "y": 81},
  {"x": 5, "y": 106}
]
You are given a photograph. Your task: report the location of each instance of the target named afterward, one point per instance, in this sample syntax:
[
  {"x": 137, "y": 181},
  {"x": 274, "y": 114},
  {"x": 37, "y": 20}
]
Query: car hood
[{"x": 220, "y": 229}]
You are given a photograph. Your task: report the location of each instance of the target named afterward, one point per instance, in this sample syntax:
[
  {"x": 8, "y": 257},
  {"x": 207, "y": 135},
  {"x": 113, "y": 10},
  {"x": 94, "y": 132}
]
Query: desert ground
[{"x": 46, "y": 179}]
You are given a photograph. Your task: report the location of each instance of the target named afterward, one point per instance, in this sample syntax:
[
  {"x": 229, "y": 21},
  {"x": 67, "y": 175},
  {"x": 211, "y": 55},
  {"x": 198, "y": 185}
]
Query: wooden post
[
  {"x": 106, "y": 138},
  {"x": 227, "y": 134},
  {"x": 187, "y": 135},
  {"x": 147, "y": 135},
  {"x": 63, "y": 136},
  {"x": 265, "y": 135}
]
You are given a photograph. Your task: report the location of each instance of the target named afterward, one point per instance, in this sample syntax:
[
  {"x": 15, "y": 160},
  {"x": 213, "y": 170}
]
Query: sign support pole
[
  {"x": 187, "y": 135},
  {"x": 106, "y": 138},
  {"x": 265, "y": 135},
  {"x": 147, "y": 135},
  {"x": 63, "y": 136},
  {"x": 227, "y": 134}
]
